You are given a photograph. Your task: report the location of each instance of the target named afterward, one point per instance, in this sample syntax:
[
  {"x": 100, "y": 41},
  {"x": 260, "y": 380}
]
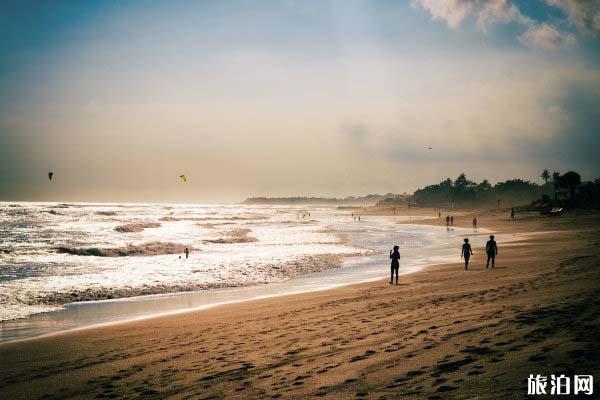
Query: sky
[{"x": 292, "y": 98}]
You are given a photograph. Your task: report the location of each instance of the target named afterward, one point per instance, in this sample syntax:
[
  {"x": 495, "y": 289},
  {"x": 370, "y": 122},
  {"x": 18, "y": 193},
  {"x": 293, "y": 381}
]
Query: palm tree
[
  {"x": 545, "y": 175},
  {"x": 570, "y": 180},
  {"x": 555, "y": 179}
]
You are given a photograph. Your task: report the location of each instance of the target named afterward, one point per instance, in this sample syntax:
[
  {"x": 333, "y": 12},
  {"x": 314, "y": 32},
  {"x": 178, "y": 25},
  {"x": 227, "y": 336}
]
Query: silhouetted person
[
  {"x": 512, "y": 213},
  {"x": 475, "y": 222},
  {"x": 498, "y": 204},
  {"x": 452, "y": 220},
  {"x": 395, "y": 256},
  {"x": 491, "y": 248},
  {"x": 439, "y": 214},
  {"x": 447, "y": 220},
  {"x": 187, "y": 253},
  {"x": 466, "y": 252}
]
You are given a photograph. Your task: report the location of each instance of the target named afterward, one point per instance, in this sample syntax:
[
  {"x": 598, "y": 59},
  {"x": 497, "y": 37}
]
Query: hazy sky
[{"x": 119, "y": 98}]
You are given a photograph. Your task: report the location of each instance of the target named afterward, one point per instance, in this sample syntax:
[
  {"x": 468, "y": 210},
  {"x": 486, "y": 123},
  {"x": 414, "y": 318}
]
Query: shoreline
[
  {"x": 442, "y": 333},
  {"x": 291, "y": 287}
]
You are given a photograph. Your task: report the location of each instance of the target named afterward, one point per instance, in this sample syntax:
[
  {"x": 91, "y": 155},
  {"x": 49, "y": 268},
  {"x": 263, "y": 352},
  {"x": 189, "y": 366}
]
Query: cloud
[
  {"x": 489, "y": 12},
  {"x": 547, "y": 37},
  {"x": 451, "y": 11},
  {"x": 585, "y": 14},
  {"x": 499, "y": 124}
]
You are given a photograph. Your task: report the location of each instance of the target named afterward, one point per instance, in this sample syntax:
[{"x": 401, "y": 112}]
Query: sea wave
[
  {"x": 106, "y": 213},
  {"x": 238, "y": 235},
  {"x": 136, "y": 227},
  {"x": 261, "y": 274},
  {"x": 145, "y": 249},
  {"x": 224, "y": 218}
]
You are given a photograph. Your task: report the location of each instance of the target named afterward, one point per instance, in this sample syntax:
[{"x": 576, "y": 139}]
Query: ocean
[{"x": 56, "y": 257}]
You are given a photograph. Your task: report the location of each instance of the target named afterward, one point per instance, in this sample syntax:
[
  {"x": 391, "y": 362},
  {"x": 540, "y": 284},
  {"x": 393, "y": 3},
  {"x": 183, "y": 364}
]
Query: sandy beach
[{"x": 442, "y": 333}]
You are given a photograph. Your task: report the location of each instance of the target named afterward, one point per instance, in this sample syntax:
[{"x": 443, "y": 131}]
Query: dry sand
[{"x": 442, "y": 333}]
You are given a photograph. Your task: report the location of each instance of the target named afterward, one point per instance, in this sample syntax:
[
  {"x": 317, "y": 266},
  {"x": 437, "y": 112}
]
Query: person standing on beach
[
  {"x": 475, "y": 222},
  {"x": 512, "y": 213},
  {"x": 187, "y": 253},
  {"x": 452, "y": 220},
  {"x": 447, "y": 220},
  {"x": 491, "y": 248},
  {"x": 466, "y": 253},
  {"x": 395, "y": 257}
]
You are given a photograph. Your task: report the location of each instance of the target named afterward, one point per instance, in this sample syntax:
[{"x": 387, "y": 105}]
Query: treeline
[
  {"x": 558, "y": 189},
  {"x": 570, "y": 191},
  {"x": 463, "y": 192},
  {"x": 367, "y": 200}
]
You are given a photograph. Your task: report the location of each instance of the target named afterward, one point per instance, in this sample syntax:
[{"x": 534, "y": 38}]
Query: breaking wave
[
  {"x": 106, "y": 213},
  {"x": 145, "y": 249},
  {"x": 263, "y": 274},
  {"x": 136, "y": 227},
  {"x": 239, "y": 235},
  {"x": 200, "y": 219}
]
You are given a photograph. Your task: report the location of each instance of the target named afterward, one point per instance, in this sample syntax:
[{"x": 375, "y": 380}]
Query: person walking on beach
[
  {"x": 512, "y": 213},
  {"x": 475, "y": 222},
  {"x": 395, "y": 257},
  {"x": 491, "y": 248},
  {"x": 447, "y": 220},
  {"x": 187, "y": 253},
  {"x": 466, "y": 253},
  {"x": 452, "y": 220}
]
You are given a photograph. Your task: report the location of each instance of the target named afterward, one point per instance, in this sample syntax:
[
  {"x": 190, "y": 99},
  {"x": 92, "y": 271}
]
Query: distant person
[
  {"x": 491, "y": 248},
  {"x": 452, "y": 220},
  {"x": 466, "y": 253},
  {"x": 498, "y": 204},
  {"x": 187, "y": 253},
  {"x": 439, "y": 214},
  {"x": 447, "y": 220},
  {"x": 475, "y": 222},
  {"x": 395, "y": 257},
  {"x": 512, "y": 213}
]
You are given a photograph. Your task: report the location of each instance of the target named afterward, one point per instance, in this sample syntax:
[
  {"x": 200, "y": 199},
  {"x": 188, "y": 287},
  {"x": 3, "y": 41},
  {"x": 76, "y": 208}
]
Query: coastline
[
  {"x": 91, "y": 314},
  {"x": 443, "y": 332}
]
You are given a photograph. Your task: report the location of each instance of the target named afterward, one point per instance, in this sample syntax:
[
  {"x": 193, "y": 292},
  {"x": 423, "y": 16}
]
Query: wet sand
[{"x": 443, "y": 333}]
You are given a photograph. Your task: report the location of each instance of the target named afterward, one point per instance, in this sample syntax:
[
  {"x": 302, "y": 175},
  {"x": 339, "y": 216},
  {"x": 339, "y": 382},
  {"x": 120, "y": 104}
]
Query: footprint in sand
[{"x": 367, "y": 354}]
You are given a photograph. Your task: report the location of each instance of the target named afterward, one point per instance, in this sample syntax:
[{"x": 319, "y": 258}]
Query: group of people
[{"x": 491, "y": 249}]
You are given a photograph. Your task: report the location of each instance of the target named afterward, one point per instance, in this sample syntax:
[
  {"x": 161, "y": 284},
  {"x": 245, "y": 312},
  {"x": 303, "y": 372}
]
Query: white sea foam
[
  {"x": 83, "y": 252},
  {"x": 49, "y": 260}
]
